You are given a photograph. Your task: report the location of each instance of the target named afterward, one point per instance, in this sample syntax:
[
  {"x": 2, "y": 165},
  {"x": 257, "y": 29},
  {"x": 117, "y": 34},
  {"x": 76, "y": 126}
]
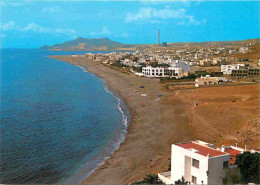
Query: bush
[
  {"x": 202, "y": 73},
  {"x": 152, "y": 179},
  {"x": 118, "y": 64},
  {"x": 233, "y": 176},
  {"x": 181, "y": 181},
  {"x": 137, "y": 69},
  {"x": 142, "y": 64},
  {"x": 249, "y": 165},
  {"x": 190, "y": 76}
]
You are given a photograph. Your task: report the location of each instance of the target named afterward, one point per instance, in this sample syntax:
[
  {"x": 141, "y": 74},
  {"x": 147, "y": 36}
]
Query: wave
[
  {"x": 124, "y": 116},
  {"x": 84, "y": 69},
  {"x": 113, "y": 145}
]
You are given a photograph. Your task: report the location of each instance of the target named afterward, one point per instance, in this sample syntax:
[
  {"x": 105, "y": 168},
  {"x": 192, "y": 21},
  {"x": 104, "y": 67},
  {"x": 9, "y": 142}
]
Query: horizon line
[{"x": 139, "y": 44}]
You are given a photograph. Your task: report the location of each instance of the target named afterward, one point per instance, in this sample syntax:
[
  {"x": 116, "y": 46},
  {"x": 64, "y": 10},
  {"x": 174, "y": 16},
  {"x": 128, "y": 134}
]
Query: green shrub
[
  {"x": 118, "y": 64},
  {"x": 137, "y": 69},
  {"x": 152, "y": 179},
  {"x": 249, "y": 165},
  {"x": 233, "y": 176},
  {"x": 181, "y": 181}
]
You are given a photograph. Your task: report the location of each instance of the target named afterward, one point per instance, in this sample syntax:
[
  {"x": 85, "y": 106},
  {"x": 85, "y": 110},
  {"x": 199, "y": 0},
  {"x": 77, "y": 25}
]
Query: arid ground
[{"x": 220, "y": 115}]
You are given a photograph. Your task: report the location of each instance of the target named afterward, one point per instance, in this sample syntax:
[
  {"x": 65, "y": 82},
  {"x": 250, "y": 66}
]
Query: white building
[
  {"x": 231, "y": 51},
  {"x": 243, "y": 50},
  {"x": 128, "y": 62},
  {"x": 199, "y": 163},
  {"x": 150, "y": 71},
  {"x": 179, "y": 64},
  {"x": 227, "y": 69},
  {"x": 208, "y": 80}
]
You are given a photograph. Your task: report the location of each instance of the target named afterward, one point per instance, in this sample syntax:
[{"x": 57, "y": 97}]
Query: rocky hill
[{"x": 88, "y": 44}]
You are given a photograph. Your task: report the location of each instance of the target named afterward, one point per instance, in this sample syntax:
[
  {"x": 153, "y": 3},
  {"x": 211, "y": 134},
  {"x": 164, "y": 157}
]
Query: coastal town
[
  {"x": 226, "y": 76},
  {"x": 210, "y": 65}
]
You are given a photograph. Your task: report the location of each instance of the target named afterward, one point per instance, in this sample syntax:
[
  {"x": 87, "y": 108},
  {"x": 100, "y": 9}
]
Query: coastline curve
[{"x": 112, "y": 145}]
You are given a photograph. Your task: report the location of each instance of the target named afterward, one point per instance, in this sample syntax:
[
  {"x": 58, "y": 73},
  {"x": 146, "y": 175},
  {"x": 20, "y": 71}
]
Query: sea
[{"x": 58, "y": 121}]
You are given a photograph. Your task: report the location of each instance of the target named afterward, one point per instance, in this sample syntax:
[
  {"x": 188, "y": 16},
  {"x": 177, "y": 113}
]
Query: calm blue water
[{"x": 58, "y": 123}]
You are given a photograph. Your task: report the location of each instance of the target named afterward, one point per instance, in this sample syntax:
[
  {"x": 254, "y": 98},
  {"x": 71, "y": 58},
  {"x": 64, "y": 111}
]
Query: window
[
  {"x": 194, "y": 179},
  {"x": 225, "y": 164},
  {"x": 195, "y": 163}
]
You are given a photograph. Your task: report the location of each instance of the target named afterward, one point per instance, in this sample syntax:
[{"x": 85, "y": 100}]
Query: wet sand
[{"x": 156, "y": 124}]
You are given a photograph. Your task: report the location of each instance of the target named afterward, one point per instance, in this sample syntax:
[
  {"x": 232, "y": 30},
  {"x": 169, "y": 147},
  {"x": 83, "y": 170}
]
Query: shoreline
[
  {"x": 146, "y": 148},
  {"x": 112, "y": 145}
]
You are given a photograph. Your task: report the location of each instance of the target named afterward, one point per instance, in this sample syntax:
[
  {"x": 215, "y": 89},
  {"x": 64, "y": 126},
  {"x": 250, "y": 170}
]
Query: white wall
[
  {"x": 165, "y": 177},
  {"x": 227, "y": 69},
  {"x": 212, "y": 164},
  {"x": 200, "y": 172},
  {"x": 187, "y": 173},
  {"x": 178, "y": 165},
  {"x": 216, "y": 171},
  {"x": 156, "y": 71}
]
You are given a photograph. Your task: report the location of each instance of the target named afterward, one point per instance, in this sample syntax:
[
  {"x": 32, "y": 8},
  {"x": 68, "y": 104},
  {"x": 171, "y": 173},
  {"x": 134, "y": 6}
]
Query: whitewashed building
[
  {"x": 178, "y": 64},
  {"x": 243, "y": 50},
  {"x": 208, "y": 80},
  {"x": 199, "y": 163},
  {"x": 227, "y": 69},
  {"x": 128, "y": 62},
  {"x": 150, "y": 71}
]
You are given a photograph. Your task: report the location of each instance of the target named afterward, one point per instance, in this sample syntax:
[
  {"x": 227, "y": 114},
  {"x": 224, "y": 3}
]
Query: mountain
[
  {"x": 105, "y": 44},
  {"x": 87, "y": 44}
]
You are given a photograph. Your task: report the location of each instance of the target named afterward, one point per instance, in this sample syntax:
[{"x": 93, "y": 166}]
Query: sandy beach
[{"x": 156, "y": 124}]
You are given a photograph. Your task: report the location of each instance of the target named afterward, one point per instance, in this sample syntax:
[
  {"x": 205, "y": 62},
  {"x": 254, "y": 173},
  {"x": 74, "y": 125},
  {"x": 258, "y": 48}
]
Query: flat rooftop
[{"x": 202, "y": 150}]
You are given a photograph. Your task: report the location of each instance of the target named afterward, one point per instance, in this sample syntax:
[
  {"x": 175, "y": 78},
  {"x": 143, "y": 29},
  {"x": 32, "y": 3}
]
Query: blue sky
[{"x": 32, "y": 24}]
